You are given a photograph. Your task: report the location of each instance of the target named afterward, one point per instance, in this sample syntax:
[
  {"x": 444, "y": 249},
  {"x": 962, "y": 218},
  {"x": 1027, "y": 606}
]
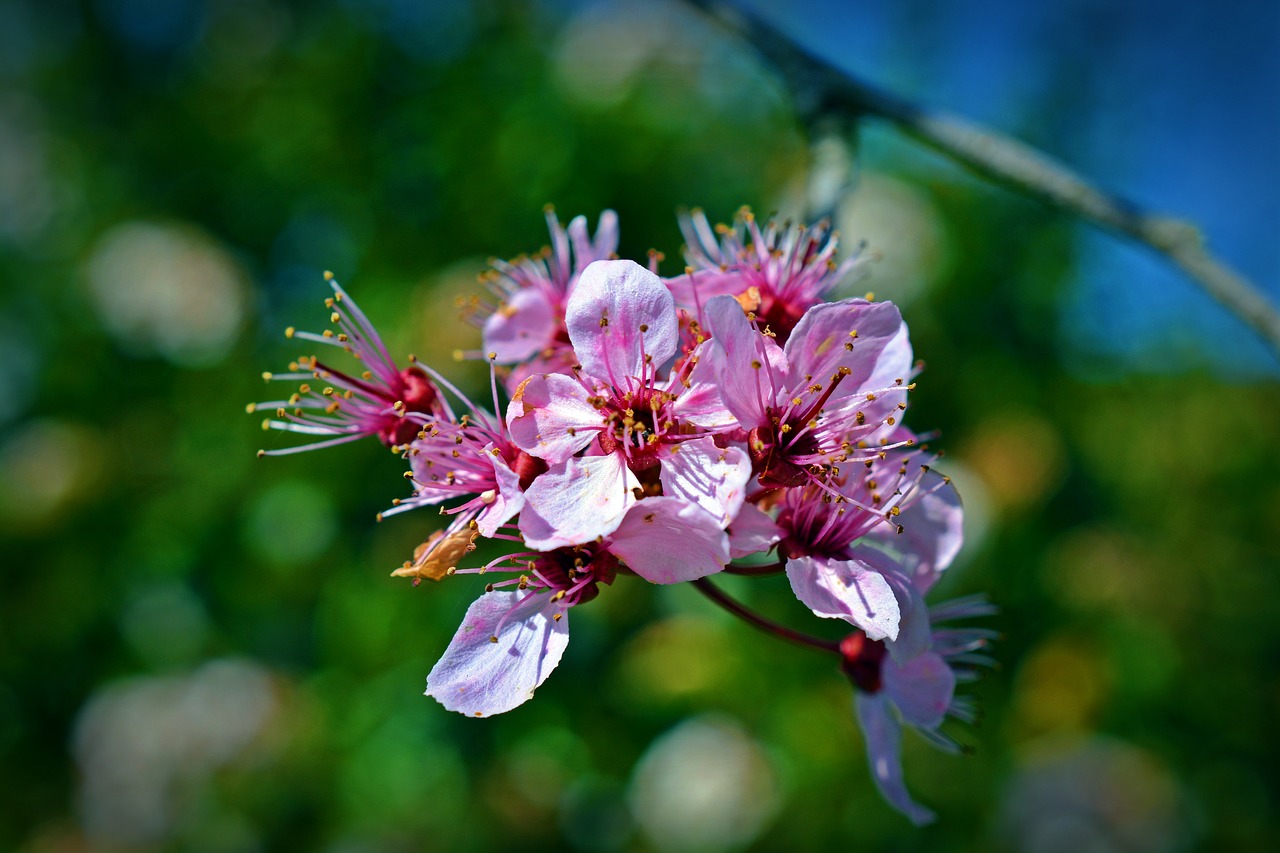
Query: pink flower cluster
[{"x": 724, "y": 420}]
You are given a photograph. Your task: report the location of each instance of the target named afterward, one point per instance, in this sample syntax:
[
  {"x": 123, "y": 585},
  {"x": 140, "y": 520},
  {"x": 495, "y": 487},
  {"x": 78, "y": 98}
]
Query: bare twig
[{"x": 822, "y": 90}]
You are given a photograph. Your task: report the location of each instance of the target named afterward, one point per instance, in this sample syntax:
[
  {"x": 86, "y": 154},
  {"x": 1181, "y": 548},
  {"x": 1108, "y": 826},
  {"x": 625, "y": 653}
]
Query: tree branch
[{"x": 820, "y": 89}]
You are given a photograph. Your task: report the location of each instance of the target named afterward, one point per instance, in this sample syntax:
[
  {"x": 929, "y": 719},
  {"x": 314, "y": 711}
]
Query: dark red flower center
[
  {"x": 416, "y": 391},
  {"x": 581, "y": 569},
  {"x": 635, "y": 423},
  {"x": 860, "y": 660},
  {"x": 779, "y": 316}
]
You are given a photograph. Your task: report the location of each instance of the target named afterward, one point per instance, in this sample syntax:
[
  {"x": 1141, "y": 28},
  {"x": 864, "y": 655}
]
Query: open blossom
[
  {"x": 515, "y": 633},
  {"x": 618, "y": 405},
  {"x": 471, "y": 460},
  {"x": 860, "y": 545},
  {"x": 805, "y": 406},
  {"x": 777, "y": 273},
  {"x": 664, "y": 432},
  {"x": 338, "y": 407},
  {"x": 527, "y": 326},
  {"x": 915, "y": 688}
]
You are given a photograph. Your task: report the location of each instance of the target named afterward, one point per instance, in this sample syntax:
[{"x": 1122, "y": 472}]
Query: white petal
[
  {"x": 577, "y": 501},
  {"x": 848, "y": 590},
  {"x": 477, "y": 676},
  {"x": 712, "y": 477},
  {"x": 549, "y": 417},
  {"x": 668, "y": 540},
  {"x": 884, "y": 754},
  {"x": 619, "y": 314}
]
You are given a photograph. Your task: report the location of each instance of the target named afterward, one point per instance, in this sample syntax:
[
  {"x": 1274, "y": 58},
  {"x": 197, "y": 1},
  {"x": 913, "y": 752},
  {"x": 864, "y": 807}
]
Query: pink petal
[
  {"x": 477, "y": 676},
  {"x": 605, "y": 244},
  {"x": 508, "y": 499},
  {"x": 822, "y": 343},
  {"x": 577, "y": 501},
  {"x": 668, "y": 540},
  {"x": 922, "y": 688},
  {"x": 748, "y": 365},
  {"x": 549, "y": 417},
  {"x": 751, "y": 532},
  {"x": 933, "y": 531},
  {"x": 694, "y": 290},
  {"x": 619, "y": 314},
  {"x": 915, "y": 633},
  {"x": 523, "y": 326},
  {"x": 714, "y": 478},
  {"x": 884, "y": 754},
  {"x": 848, "y": 590},
  {"x": 700, "y": 403}
]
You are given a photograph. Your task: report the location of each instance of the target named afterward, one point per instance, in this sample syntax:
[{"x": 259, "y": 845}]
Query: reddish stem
[{"x": 712, "y": 592}]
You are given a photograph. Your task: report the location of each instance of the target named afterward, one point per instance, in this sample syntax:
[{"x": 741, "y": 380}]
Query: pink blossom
[
  {"x": 382, "y": 401},
  {"x": 862, "y": 544},
  {"x": 916, "y": 690},
  {"x": 514, "y": 635},
  {"x": 620, "y": 409},
  {"x": 841, "y": 377},
  {"x": 528, "y": 323},
  {"x": 778, "y": 272},
  {"x": 668, "y": 431}
]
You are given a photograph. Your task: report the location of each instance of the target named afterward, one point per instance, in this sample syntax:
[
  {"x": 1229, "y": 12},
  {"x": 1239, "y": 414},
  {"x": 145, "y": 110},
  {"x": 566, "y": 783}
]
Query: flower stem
[
  {"x": 711, "y": 591},
  {"x": 758, "y": 570}
]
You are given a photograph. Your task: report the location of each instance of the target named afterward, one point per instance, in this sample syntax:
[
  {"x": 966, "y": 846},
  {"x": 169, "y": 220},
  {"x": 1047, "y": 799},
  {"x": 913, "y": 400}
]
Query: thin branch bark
[{"x": 820, "y": 89}]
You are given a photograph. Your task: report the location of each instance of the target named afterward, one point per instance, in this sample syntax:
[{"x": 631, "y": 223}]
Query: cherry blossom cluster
[{"x": 727, "y": 419}]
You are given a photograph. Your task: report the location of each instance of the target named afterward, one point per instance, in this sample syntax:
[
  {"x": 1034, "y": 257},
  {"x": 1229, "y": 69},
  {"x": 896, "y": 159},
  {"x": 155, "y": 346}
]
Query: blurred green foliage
[{"x": 1126, "y": 524}]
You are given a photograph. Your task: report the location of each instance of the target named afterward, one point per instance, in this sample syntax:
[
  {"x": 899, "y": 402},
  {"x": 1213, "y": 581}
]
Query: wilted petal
[
  {"x": 751, "y": 532},
  {"x": 747, "y": 364},
  {"x": 508, "y": 499},
  {"x": 522, "y": 326},
  {"x": 477, "y": 676},
  {"x": 668, "y": 540},
  {"x": 714, "y": 478},
  {"x": 549, "y": 417},
  {"x": 921, "y": 688},
  {"x": 620, "y": 313},
  {"x": 848, "y": 590},
  {"x": 577, "y": 502},
  {"x": 884, "y": 753},
  {"x": 439, "y": 555}
]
